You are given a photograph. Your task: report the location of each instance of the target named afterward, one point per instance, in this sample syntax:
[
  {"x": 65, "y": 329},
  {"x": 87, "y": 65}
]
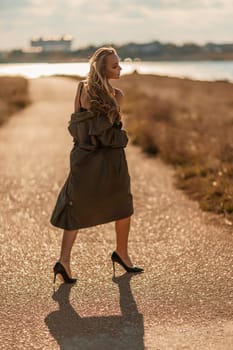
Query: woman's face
[{"x": 113, "y": 68}]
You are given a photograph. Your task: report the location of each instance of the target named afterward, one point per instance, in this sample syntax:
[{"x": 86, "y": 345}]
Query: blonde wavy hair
[{"x": 100, "y": 91}]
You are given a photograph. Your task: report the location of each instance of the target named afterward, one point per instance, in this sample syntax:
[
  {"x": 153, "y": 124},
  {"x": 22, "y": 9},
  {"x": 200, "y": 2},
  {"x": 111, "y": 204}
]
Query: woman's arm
[
  {"x": 113, "y": 138},
  {"x": 77, "y": 97}
]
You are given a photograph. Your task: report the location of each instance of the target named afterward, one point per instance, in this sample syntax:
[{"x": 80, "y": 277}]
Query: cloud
[
  {"x": 14, "y": 4},
  {"x": 181, "y": 4},
  {"x": 130, "y": 8},
  {"x": 99, "y": 21}
]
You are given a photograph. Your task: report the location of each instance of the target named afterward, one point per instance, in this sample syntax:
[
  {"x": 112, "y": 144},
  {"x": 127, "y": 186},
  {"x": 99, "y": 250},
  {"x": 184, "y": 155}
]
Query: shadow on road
[{"x": 94, "y": 333}]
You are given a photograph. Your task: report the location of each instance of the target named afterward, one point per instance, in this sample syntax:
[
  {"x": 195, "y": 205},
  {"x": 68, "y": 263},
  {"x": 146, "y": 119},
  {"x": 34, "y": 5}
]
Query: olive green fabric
[{"x": 97, "y": 189}]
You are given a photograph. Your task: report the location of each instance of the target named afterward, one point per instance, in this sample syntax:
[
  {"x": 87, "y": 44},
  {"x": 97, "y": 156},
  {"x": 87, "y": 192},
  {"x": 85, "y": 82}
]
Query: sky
[{"x": 95, "y": 22}]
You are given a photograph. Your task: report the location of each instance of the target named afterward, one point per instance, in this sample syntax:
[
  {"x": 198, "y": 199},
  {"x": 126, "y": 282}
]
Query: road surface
[{"x": 184, "y": 300}]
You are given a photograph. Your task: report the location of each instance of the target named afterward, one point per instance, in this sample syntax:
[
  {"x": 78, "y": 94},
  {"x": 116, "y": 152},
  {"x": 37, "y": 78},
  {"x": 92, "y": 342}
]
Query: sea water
[{"x": 199, "y": 70}]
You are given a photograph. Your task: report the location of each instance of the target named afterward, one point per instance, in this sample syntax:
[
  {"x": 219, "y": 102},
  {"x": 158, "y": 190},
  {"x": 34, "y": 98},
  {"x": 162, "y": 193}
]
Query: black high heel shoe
[
  {"x": 116, "y": 258},
  {"x": 59, "y": 269}
]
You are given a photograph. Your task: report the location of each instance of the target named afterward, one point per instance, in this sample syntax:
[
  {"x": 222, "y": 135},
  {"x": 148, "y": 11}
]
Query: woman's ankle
[
  {"x": 122, "y": 252},
  {"x": 65, "y": 262}
]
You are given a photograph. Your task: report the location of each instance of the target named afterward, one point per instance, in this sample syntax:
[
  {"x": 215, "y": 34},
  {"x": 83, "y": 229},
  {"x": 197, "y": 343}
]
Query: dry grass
[
  {"x": 13, "y": 96},
  {"x": 190, "y": 124}
]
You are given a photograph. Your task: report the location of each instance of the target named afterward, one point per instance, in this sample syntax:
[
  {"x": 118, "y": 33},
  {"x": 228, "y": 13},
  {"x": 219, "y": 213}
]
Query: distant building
[{"x": 50, "y": 44}]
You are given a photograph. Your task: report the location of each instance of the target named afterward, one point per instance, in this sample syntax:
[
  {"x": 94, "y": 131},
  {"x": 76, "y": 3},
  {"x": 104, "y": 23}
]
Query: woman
[{"x": 97, "y": 189}]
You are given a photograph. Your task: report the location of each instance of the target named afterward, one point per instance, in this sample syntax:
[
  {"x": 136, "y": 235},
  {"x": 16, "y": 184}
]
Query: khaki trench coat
[{"x": 97, "y": 189}]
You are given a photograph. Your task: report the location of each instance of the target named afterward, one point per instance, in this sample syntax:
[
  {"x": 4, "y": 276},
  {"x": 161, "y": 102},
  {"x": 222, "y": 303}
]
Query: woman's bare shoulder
[{"x": 118, "y": 95}]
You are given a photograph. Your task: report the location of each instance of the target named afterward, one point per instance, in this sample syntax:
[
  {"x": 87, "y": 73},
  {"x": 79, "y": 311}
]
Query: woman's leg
[
  {"x": 122, "y": 233},
  {"x": 66, "y": 247}
]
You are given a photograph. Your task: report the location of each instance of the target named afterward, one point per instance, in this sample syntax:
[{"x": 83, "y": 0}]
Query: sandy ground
[{"x": 184, "y": 300}]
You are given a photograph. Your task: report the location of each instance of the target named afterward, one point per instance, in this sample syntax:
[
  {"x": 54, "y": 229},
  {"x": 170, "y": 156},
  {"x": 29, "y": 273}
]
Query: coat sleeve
[{"x": 107, "y": 134}]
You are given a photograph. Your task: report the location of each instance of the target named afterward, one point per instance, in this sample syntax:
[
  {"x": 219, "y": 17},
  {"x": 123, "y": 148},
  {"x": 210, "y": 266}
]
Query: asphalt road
[{"x": 184, "y": 300}]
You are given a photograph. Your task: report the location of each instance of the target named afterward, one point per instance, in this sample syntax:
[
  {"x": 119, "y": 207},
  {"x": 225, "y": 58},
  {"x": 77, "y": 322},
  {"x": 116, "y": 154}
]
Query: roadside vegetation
[
  {"x": 14, "y": 96},
  {"x": 189, "y": 124}
]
